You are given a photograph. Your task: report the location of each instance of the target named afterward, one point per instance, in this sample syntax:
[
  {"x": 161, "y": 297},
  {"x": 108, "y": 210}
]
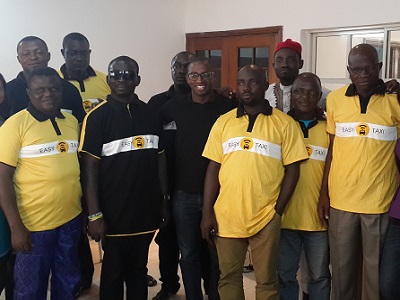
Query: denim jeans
[
  {"x": 389, "y": 279},
  {"x": 316, "y": 249},
  {"x": 186, "y": 211}
]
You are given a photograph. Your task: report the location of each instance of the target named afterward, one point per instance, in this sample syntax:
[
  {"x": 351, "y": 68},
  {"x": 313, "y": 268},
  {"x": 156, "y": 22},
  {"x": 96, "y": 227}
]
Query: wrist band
[{"x": 95, "y": 216}]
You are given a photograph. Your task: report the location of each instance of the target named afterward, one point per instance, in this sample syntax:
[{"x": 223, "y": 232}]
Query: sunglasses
[{"x": 122, "y": 75}]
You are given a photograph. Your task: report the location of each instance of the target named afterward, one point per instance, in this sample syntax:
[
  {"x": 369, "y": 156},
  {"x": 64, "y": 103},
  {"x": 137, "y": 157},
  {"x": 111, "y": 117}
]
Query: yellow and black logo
[
  {"x": 62, "y": 147},
  {"x": 246, "y": 143},
  {"x": 362, "y": 129},
  {"x": 309, "y": 150},
  {"x": 87, "y": 105},
  {"x": 138, "y": 142}
]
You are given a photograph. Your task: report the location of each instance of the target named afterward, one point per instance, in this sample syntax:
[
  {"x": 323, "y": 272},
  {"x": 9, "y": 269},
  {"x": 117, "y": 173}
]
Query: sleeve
[
  {"x": 91, "y": 140},
  {"x": 330, "y": 124},
  {"x": 9, "y": 151},
  {"x": 213, "y": 149},
  {"x": 293, "y": 147}
]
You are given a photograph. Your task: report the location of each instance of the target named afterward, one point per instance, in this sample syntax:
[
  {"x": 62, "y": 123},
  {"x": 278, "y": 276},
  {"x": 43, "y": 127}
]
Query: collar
[
  {"x": 171, "y": 92},
  {"x": 240, "y": 112},
  {"x": 21, "y": 78},
  {"x": 89, "y": 73},
  {"x": 380, "y": 89},
  {"x": 118, "y": 105},
  {"x": 40, "y": 116},
  {"x": 285, "y": 88}
]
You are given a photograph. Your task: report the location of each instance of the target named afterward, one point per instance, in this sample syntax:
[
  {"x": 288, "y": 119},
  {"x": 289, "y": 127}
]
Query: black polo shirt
[
  {"x": 193, "y": 122},
  {"x": 124, "y": 138},
  {"x": 18, "y": 99}
]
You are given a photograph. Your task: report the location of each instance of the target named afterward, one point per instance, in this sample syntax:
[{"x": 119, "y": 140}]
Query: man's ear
[
  {"x": 137, "y": 81},
  {"x": 301, "y": 64},
  {"x": 63, "y": 52}
]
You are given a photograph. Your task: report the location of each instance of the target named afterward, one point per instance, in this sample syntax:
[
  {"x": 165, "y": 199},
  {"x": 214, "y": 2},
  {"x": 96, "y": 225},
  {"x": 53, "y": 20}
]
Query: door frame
[{"x": 230, "y": 78}]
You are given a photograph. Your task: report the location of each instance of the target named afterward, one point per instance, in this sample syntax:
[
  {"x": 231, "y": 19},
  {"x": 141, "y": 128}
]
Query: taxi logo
[
  {"x": 138, "y": 142},
  {"x": 362, "y": 129},
  {"x": 309, "y": 150},
  {"x": 246, "y": 143},
  {"x": 87, "y": 105},
  {"x": 62, "y": 147}
]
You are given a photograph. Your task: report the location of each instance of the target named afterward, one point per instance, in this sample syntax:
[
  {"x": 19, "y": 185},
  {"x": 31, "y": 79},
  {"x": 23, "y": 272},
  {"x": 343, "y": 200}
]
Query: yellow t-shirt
[
  {"x": 362, "y": 177},
  {"x": 252, "y": 168},
  {"x": 301, "y": 211},
  {"x": 96, "y": 89},
  {"x": 46, "y": 178}
]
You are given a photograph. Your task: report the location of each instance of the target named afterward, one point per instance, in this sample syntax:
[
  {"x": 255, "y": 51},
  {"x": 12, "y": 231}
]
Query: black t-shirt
[
  {"x": 129, "y": 187},
  {"x": 194, "y": 122},
  {"x": 18, "y": 99}
]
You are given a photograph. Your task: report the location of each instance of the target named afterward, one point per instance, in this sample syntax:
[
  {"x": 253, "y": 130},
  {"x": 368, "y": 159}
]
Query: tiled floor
[{"x": 93, "y": 293}]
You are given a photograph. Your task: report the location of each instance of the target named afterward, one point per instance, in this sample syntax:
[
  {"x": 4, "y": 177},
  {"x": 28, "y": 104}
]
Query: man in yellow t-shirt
[
  {"x": 255, "y": 153},
  {"x": 301, "y": 227},
  {"x": 40, "y": 194},
  {"x": 91, "y": 84},
  {"x": 360, "y": 171}
]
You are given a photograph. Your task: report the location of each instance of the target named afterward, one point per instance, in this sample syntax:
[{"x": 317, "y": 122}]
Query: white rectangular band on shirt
[
  {"x": 138, "y": 142},
  {"x": 52, "y": 148},
  {"x": 317, "y": 152},
  {"x": 170, "y": 126},
  {"x": 366, "y": 130},
  {"x": 66, "y": 110},
  {"x": 252, "y": 145}
]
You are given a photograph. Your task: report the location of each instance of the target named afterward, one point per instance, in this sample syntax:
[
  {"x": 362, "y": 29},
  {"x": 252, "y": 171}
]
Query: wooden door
[{"x": 231, "y": 50}]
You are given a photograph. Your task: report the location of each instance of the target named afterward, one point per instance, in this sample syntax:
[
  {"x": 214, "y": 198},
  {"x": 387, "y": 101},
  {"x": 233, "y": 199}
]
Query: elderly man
[
  {"x": 364, "y": 121},
  {"x": 40, "y": 194},
  {"x": 250, "y": 200},
  {"x": 123, "y": 180},
  {"x": 91, "y": 84},
  {"x": 32, "y": 53}
]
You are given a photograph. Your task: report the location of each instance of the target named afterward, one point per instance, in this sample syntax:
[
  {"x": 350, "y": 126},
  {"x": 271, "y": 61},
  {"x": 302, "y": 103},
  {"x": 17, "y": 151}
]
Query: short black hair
[
  {"x": 32, "y": 38},
  {"x": 125, "y": 59},
  {"x": 45, "y": 71},
  {"x": 204, "y": 60},
  {"x": 74, "y": 36}
]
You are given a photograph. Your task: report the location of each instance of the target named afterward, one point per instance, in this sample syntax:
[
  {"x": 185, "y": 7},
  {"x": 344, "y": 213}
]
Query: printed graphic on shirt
[
  {"x": 317, "y": 152},
  {"x": 252, "y": 145},
  {"x": 52, "y": 148},
  {"x": 89, "y": 104},
  {"x": 139, "y": 142},
  {"x": 366, "y": 130}
]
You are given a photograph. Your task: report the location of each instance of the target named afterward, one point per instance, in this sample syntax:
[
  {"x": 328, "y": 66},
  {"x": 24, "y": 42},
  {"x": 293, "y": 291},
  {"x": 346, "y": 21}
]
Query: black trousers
[
  {"x": 125, "y": 260},
  {"x": 168, "y": 254},
  {"x": 85, "y": 261}
]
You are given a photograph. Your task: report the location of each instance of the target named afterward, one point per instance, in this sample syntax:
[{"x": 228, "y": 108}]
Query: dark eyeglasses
[
  {"x": 122, "y": 75},
  {"x": 206, "y": 75}
]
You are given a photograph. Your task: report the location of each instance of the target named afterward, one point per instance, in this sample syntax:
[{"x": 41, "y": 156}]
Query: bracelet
[{"x": 95, "y": 216}]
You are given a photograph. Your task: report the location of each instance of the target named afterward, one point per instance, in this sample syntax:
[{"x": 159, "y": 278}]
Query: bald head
[
  {"x": 364, "y": 50},
  {"x": 124, "y": 60},
  {"x": 256, "y": 70},
  {"x": 251, "y": 85}
]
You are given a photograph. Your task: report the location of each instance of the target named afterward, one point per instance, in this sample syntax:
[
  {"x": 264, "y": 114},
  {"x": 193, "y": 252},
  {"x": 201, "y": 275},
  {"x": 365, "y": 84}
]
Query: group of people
[{"x": 298, "y": 177}]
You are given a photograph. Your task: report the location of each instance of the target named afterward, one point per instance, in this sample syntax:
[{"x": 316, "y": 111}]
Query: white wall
[
  {"x": 150, "y": 31},
  {"x": 293, "y": 15}
]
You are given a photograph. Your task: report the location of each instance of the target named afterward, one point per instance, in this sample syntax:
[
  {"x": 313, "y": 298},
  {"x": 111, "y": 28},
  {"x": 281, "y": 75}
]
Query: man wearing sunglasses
[
  {"x": 123, "y": 180},
  {"x": 168, "y": 250},
  {"x": 194, "y": 114}
]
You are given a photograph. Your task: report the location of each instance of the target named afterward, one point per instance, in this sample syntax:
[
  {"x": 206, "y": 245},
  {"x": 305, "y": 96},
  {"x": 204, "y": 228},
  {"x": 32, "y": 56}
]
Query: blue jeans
[
  {"x": 389, "y": 277},
  {"x": 186, "y": 211},
  {"x": 316, "y": 250}
]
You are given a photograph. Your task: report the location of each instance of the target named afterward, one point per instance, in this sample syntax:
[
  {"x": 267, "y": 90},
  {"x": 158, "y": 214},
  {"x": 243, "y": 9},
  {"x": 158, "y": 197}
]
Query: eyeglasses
[
  {"x": 193, "y": 76},
  {"x": 358, "y": 70},
  {"x": 309, "y": 93},
  {"x": 122, "y": 75}
]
